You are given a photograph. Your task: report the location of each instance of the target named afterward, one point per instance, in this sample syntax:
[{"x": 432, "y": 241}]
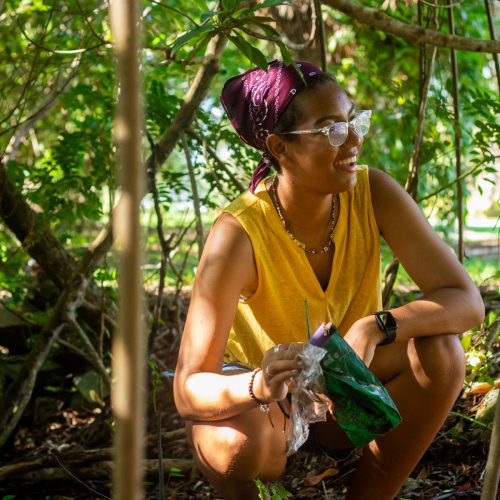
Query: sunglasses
[{"x": 337, "y": 132}]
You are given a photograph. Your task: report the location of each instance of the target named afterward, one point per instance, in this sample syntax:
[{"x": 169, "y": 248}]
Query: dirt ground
[{"x": 452, "y": 468}]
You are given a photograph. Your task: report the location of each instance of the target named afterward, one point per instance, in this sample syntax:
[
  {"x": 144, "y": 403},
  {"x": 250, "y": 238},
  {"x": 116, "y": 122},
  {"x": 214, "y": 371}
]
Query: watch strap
[{"x": 388, "y": 325}]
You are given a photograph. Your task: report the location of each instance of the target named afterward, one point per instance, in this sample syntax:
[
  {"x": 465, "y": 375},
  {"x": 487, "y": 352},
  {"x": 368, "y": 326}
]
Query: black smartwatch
[{"x": 387, "y": 324}]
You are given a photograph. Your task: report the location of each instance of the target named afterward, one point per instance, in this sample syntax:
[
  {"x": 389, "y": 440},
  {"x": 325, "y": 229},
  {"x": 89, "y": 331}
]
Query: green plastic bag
[{"x": 362, "y": 405}]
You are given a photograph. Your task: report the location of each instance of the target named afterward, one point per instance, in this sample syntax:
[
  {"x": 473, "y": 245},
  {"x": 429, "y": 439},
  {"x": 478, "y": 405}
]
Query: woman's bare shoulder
[
  {"x": 228, "y": 253},
  {"x": 227, "y": 236}
]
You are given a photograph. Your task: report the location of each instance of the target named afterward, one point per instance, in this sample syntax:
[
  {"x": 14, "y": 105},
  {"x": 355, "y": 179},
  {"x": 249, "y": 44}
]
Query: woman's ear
[{"x": 276, "y": 146}]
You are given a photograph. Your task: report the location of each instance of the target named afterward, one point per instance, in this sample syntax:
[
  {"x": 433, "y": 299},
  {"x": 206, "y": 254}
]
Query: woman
[{"x": 311, "y": 233}]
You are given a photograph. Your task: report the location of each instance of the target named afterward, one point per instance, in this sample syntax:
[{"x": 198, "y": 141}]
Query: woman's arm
[
  {"x": 451, "y": 303},
  {"x": 227, "y": 269}
]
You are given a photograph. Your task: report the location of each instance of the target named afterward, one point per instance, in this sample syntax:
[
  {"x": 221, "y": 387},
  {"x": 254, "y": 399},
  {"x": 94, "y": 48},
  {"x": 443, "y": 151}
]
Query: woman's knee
[
  {"x": 439, "y": 362},
  {"x": 233, "y": 454}
]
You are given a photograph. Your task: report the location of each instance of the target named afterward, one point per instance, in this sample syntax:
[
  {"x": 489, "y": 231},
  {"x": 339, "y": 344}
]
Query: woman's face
[{"x": 309, "y": 158}]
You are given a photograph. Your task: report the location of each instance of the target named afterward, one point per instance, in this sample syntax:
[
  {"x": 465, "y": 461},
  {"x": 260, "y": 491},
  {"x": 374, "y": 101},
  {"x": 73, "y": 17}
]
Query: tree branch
[
  {"x": 283, "y": 38},
  {"x": 194, "y": 96},
  {"x": 165, "y": 245},
  {"x": 57, "y": 51},
  {"x": 451, "y": 183},
  {"x": 18, "y": 395},
  {"x": 33, "y": 232},
  {"x": 93, "y": 355},
  {"x": 48, "y": 103},
  {"x": 410, "y": 32},
  {"x": 213, "y": 154},
  {"x": 51, "y": 466}
]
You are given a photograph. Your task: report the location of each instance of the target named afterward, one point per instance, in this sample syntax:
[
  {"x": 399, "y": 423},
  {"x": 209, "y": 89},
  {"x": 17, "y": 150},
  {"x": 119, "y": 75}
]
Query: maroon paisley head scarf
[{"x": 255, "y": 101}]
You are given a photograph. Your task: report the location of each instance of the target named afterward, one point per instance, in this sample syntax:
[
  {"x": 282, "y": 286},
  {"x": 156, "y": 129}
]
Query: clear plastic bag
[{"x": 309, "y": 400}]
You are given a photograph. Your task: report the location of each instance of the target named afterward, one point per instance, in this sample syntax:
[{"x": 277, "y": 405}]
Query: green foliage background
[{"x": 65, "y": 164}]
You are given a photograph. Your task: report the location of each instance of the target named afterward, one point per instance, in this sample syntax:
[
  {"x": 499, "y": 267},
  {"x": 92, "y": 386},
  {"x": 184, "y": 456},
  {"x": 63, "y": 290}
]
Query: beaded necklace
[{"x": 328, "y": 244}]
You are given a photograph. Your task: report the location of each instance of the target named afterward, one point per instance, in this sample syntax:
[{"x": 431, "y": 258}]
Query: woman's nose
[{"x": 353, "y": 139}]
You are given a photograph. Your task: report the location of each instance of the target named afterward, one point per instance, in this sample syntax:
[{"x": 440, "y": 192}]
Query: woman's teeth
[{"x": 347, "y": 161}]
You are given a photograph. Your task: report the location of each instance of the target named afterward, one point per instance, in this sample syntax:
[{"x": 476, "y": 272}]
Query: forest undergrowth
[{"x": 62, "y": 448}]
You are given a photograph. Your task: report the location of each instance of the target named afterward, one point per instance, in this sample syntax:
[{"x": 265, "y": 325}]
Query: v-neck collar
[{"x": 338, "y": 234}]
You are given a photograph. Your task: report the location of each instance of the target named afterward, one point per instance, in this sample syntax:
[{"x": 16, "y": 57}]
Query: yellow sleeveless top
[{"x": 276, "y": 313}]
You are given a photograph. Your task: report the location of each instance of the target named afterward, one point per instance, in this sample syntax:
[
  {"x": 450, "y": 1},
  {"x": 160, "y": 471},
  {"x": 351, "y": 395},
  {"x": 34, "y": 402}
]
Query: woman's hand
[
  {"x": 279, "y": 366},
  {"x": 363, "y": 337}
]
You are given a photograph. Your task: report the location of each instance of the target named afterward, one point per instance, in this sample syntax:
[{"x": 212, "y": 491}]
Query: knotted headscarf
[{"x": 255, "y": 100}]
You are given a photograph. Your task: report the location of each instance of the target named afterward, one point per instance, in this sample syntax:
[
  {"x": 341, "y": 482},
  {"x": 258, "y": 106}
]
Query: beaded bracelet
[{"x": 264, "y": 407}]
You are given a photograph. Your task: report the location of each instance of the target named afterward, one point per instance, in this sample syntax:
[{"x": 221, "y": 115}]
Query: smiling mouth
[{"x": 346, "y": 162}]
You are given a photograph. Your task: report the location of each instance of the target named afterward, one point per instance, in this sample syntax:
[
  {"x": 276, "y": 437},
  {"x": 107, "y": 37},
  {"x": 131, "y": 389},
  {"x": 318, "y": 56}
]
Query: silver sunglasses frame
[{"x": 326, "y": 130}]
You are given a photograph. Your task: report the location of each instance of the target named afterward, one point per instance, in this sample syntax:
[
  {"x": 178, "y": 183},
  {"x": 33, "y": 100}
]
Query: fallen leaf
[
  {"x": 479, "y": 388},
  {"x": 423, "y": 474},
  {"x": 468, "y": 486},
  {"x": 306, "y": 493},
  {"x": 316, "y": 479}
]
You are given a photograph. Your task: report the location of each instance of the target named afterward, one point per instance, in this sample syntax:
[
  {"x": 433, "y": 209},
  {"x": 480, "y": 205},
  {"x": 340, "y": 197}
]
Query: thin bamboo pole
[
  {"x": 321, "y": 34},
  {"x": 412, "y": 179},
  {"x": 492, "y": 471},
  {"x": 491, "y": 25},
  {"x": 458, "y": 138},
  {"x": 128, "y": 342},
  {"x": 196, "y": 198}
]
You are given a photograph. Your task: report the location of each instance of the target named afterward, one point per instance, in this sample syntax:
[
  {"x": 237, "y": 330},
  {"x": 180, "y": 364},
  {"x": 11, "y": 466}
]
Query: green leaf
[
  {"x": 207, "y": 15},
  {"x": 287, "y": 56},
  {"x": 175, "y": 472},
  {"x": 238, "y": 14},
  {"x": 466, "y": 342},
  {"x": 89, "y": 385},
  {"x": 262, "y": 489},
  {"x": 201, "y": 43},
  {"x": 182, "y": 40},
  {"x": 268, "y": 30},
  {"x": 270, "y": 3},
  {"x": 229, "y": 5},
  {"x": 254, "y": 55}
]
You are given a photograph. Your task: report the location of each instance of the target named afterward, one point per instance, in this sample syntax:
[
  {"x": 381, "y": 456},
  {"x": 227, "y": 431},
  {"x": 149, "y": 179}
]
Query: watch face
[{"x": 387, "y": 319}]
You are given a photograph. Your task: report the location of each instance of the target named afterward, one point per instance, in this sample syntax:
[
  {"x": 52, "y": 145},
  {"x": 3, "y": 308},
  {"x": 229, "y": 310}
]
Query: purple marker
[{"x": 322, "y": 334}]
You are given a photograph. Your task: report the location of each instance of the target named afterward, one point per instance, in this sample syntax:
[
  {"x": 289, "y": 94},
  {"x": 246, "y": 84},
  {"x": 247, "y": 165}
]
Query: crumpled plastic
[
  {"x": 309, "y": 403},
  {"x": 335, "y": 374}
]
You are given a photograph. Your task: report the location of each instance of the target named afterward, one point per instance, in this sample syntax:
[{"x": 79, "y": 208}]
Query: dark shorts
[{"x": 312, "y": 445}]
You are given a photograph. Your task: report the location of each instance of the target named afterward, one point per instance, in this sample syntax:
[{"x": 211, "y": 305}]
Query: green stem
[
  {"x": 473, "y": 420},
  {"x": 307, "y": 320}
]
